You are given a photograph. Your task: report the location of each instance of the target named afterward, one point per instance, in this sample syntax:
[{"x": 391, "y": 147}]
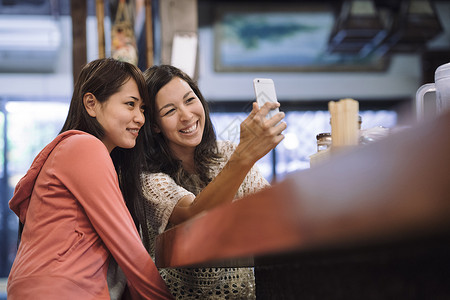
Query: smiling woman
[
  {"x": 72, "y": 203},
  {"x": 190, "y": 172}
]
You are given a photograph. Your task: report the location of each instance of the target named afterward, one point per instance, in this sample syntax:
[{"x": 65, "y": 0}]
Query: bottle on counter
[{"x": 323, "y": 141}]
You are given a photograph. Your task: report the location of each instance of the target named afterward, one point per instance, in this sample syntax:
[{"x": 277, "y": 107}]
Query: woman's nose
[
  {"x": 185, "y": 114},
  {"x": 139, "y": 117}
]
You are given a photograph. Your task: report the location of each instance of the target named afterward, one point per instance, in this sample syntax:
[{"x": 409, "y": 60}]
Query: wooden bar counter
[{"x": 373, "y": 222}]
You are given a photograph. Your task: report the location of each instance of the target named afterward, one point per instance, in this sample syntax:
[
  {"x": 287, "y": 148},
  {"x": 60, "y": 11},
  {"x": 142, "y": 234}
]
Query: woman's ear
[
  {"x": 156, "y": 129},
  {"x": 90, "y": 104}
]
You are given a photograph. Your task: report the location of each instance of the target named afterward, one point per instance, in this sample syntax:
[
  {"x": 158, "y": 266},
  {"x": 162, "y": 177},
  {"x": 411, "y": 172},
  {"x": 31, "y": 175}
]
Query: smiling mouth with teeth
[
  {"x": 190, "y": 129},
  {"x": 135, "y": 132}
]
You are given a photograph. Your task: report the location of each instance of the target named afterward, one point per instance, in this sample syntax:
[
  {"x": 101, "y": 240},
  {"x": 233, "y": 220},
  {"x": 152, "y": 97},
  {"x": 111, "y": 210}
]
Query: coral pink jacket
[{"x": 75, "y": 218}]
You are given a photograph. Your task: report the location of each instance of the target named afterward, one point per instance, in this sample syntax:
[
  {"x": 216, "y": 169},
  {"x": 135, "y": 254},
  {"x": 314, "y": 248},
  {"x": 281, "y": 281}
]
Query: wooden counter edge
[{"x": 396, "y": 187}]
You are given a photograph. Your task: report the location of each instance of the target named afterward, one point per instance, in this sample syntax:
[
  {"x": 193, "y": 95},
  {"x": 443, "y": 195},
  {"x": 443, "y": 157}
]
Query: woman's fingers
[
  {"x": 280, "y": 126},
  {"x": 259, "y": 124},
  {"x": 251, "y": 116},
  {"x": 277, "y": 139},
  {"x": 259, "y": 135},
  {"x": 268, "y": 106},
  {"x": 255, "y": 110},
  {"x": 274, "y": 134},
  {"x": 275, "y": 119}
]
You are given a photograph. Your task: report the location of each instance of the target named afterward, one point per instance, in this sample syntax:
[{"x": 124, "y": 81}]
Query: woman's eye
[
  {"x": 131, "y": 103},
  {"x": 190, "y": 100},
  {"x": 169, "y": 112}
]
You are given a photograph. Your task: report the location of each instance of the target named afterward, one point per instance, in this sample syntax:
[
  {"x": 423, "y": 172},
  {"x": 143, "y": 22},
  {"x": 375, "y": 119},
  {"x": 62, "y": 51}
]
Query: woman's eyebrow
[
  {"x": 165, "y": 106},
  {"x": 187, "y": 94}
]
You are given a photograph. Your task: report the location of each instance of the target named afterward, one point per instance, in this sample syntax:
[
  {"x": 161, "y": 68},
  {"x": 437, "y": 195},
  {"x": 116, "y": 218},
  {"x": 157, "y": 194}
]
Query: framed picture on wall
[{"x": 278, "y": 38}]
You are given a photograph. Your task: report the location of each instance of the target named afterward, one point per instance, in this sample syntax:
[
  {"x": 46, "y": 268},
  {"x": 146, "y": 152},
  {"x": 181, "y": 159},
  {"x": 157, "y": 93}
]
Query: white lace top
[{"x": 162, "y": 194}]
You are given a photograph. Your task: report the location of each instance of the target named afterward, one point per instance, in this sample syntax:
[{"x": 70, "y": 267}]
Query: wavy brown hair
[{"x": 158, "y": 155}]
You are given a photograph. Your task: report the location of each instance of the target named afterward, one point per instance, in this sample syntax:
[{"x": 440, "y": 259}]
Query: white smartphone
[{"x": 265, "y": 92}]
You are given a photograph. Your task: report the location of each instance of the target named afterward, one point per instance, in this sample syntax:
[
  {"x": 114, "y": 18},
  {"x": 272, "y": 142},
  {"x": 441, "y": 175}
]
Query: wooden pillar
[
  {"x": 100, "y": 11},
  {"x": 78, "y": 11},
  {"x": 149, "y": 33}
]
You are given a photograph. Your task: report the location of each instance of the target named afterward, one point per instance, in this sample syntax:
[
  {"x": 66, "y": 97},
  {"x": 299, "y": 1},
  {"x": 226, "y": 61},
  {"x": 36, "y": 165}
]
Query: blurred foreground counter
[{"x": 371, "y": 223}]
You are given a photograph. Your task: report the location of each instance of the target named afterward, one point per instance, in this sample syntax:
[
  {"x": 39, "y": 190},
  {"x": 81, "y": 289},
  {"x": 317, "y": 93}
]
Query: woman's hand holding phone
[{"x": 258, "y": 134}]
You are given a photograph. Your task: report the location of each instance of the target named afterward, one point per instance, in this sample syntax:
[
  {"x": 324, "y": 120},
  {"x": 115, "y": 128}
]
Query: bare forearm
[
  {"x": 219, "y": 191},
  {"x": 225, "y": 186}
]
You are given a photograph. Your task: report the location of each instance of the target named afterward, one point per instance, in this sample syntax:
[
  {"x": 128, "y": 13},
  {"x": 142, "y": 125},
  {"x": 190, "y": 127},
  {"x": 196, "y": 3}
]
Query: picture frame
[{"x": 281, "y": 38}]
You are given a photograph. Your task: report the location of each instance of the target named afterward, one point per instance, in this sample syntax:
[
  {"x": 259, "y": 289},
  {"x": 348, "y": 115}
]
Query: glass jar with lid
[{"x": 323, "y": 141}]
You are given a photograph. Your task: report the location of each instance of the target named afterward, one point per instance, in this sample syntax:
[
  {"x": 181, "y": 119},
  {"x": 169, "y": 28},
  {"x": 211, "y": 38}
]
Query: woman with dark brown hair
[
  {"x": 190, "y": 172},
  {"x": 72, "y": 203}
]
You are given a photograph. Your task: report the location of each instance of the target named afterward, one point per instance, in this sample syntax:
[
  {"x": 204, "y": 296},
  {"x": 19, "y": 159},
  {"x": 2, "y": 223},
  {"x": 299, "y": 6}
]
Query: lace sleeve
[
  {"x": 253, "y": 182},
  {"x": 162, "y": 194}
]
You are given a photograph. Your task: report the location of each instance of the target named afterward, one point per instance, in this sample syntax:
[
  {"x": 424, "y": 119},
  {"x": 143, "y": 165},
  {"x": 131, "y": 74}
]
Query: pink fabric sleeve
[{"x": 88, "y": 172}]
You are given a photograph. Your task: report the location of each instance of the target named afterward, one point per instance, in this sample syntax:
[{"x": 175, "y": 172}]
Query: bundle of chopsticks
[{"x": 344, "y": 122}]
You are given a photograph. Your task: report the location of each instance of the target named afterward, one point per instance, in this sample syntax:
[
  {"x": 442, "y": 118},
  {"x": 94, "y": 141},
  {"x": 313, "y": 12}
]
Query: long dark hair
[
  {"x": 158, "y": 154},
  {"x": 103, "y": 78}
]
